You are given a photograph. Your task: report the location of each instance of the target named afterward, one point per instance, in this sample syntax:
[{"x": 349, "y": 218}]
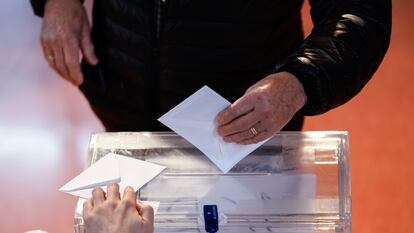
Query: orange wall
[{"x": 380, "y": 122}]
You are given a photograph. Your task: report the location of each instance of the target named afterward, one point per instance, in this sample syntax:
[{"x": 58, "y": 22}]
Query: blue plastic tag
[{"x": 211, "y": 218}]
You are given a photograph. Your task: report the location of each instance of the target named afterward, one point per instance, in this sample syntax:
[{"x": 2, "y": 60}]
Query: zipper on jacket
[
  {"x": 154, "y": 93},
  {"x": 158, "y": 17}
]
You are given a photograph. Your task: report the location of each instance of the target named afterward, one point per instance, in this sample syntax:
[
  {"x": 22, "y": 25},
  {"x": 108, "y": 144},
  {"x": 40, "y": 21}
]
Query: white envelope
[
  {"x": 112, "y": 168},
  {"x": 194, "y": 120}
]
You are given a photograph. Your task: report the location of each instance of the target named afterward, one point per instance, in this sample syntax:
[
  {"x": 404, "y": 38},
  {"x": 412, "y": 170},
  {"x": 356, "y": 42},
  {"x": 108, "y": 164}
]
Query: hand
[
  {"x": 263, "y": 110},
  {"x": 65, "y": 35},
  {"x": 110, "y": 214}
]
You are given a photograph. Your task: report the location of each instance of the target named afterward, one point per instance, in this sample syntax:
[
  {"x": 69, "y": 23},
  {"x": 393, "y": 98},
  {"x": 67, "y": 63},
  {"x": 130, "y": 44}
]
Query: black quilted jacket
[{"x": 155, "y": 53}]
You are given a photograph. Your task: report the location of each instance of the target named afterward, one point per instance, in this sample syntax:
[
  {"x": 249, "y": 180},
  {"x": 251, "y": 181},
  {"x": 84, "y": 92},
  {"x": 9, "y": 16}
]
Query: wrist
[
  {"x": 61, "y": 1},
  {"x": 292, "y": 85},
  {"x": 49, "y": 3}
]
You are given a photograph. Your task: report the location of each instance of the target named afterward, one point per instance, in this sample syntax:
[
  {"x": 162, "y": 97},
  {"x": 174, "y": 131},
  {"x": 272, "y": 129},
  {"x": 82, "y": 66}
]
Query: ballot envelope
[{"x": 295, "y": 182}]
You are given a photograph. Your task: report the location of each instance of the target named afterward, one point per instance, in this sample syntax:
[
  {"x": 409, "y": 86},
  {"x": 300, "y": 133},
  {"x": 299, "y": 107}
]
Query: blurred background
[{"x": 45, "y": 124}]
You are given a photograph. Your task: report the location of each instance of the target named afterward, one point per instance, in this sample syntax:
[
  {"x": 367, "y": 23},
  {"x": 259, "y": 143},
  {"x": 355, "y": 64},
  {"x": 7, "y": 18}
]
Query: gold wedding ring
[
  {"x": 50, "y": 57},
  {"x": 253, "y": 131}
]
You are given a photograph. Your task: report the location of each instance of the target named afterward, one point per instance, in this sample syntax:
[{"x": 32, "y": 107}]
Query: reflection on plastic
[{"x": 262, "y": 194}]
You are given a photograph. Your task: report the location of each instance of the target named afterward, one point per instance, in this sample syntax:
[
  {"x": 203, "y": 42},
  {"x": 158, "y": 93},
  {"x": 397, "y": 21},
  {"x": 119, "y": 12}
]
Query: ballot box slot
[{"x": 215, "y": 174}]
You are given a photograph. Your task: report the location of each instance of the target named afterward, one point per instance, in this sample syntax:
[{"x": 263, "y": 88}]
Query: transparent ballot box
[{"x": 296, "y": 182}]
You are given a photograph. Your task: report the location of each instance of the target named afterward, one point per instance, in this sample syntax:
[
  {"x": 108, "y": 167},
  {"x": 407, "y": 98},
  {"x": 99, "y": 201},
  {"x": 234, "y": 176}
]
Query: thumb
[
  {"x": 88, "y": 50},
  {"x": 146, "y": 212}
]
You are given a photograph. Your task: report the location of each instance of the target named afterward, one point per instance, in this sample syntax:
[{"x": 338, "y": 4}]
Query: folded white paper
[
  {"x": 104, "y": 171},
  {"x": 112, "y": 168},
  {"x": 194, "y": 119}
]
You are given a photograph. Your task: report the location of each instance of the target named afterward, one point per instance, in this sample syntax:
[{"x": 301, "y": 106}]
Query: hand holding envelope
[{"x": 194, "y": 120}]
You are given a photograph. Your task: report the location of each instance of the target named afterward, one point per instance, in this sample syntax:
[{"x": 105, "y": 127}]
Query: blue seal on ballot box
[{"x": 211, "y": 218}]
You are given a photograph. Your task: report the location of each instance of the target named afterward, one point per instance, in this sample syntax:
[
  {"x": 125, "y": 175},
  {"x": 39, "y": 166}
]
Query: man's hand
[
  {"x": 65, "y": 35},
  {"x": 109, "y": 214},
  {"x": 263, "y": 110}
]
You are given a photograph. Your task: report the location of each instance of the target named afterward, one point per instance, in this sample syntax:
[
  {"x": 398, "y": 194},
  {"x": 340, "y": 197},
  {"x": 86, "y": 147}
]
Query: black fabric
[
  {"x": 227, "y": 45},
  {"x": 345, "y": 48},
  {"x": 38, "y": 6}
]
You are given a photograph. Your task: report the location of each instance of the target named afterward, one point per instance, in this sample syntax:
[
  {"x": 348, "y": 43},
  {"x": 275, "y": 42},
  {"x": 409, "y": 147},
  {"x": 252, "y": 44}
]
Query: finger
[
  {"x": 139, "y": 206},
  {"x": 258, "y": 138},
  {"x": 45, "y": 41},
  {"x": 98, "y": 196},
  {"x": 240, "y": 124},
  {"x": 87, "y": 46},
  {"x": 129, "y": 201},
  {"x": 87, "y": 206},
  {"x": 112, "y": 192},
  {"x": 71, "y": 53},
  {"x": 48, "y": 55},
  {"x": 237, "y": 109},
  {"x": 53, "y": 52},
  {"x": 147, "y": 213},
  {"x": 129, "y": 194},
  {"x": 60, "y": 66},
  {"x": 246, "y": 134}
]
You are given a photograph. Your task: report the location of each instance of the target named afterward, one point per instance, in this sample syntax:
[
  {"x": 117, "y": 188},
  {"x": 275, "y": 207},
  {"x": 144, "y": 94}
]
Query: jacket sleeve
[
  {"x": 343, "y": 51},
  {"x": 39, "y": 6}
]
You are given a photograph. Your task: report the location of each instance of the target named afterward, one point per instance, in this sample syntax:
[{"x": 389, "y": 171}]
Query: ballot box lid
[{"x": 295, "y": 182}]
